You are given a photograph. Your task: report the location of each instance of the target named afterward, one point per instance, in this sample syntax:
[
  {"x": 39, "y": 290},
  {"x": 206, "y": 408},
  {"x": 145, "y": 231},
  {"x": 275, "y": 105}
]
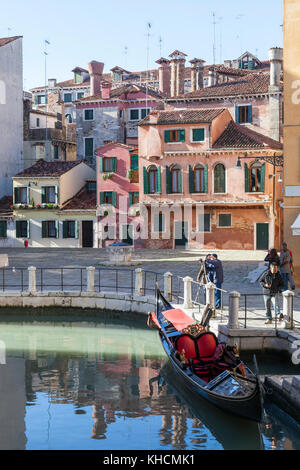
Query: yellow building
[{"x": 291, "y": 64}]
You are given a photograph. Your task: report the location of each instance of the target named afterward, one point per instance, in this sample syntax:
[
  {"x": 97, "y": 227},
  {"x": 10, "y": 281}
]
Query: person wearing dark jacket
[
  {"x": 272, "y": 257},
  {"x": 272, "y": 284},
  {"x": 215, "y": 274}
]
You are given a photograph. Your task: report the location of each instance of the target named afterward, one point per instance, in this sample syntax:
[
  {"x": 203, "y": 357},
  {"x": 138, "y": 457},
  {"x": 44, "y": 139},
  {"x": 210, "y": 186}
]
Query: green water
[{"x": 104, "y": 383}]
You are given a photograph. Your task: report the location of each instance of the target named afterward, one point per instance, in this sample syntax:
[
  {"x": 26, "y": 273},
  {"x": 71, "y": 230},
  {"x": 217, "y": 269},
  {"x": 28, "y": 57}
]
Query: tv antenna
[
  {"x": 46, "y": 43},
  {"x": 220, "y": 23},
  {"x": 149, "y": 26},
  {"x": 160, "y": 46},
  {"x": 214, "y": 42}
]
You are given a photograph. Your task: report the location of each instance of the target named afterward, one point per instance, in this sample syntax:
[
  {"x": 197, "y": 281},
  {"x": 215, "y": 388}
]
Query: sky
[{"x": 115, "y": 32}]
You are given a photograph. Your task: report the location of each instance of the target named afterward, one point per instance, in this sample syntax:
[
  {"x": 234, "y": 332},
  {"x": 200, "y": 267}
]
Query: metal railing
[{"x": 13, "y": 279}]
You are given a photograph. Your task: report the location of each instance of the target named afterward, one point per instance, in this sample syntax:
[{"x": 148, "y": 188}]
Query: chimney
[
  {"x": 211, "y": 78},
  {"x": 95, "y": 70},
  {"x": 177, "y": 72},
  {"x": 276, "y": 58},
  {"x": 105, "y": 90},
  {"x": 164, "y": 75},
  {"x": 51, "y": 82},
  {"x": 227, "y": 63},
  {"x": 197, "y": 66}
]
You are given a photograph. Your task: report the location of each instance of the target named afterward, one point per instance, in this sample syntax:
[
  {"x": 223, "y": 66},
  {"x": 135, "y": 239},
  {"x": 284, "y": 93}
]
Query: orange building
[{"x": 208, "y": 182}]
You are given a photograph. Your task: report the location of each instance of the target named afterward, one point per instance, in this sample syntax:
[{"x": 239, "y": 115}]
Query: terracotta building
[
  {"x": 207, "y": 181},
  {"x": 117, "y": 192}
]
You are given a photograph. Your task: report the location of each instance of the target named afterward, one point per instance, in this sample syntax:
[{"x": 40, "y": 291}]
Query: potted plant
[{"x": 107, "y": 176}]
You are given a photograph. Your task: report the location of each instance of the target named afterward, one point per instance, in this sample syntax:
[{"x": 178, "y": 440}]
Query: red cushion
[
  {"x": 186, "y": 343},
  {"x": 207, "y": 344}
]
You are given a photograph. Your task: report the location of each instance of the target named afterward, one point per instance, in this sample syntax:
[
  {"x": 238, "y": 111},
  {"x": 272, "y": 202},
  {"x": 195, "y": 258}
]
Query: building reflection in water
[{"x": 116, "y": 378}]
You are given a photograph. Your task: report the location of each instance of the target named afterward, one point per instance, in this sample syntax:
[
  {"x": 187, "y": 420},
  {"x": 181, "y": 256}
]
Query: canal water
[{"x": 105, "y": 384}]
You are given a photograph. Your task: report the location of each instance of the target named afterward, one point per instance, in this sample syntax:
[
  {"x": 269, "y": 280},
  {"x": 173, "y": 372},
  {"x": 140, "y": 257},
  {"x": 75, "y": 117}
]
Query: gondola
[{"x": 208, "y": 368}]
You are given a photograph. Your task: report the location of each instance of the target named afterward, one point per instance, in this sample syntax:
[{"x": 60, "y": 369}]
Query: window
[
  {"x": 177, "y": 135},
  {"x": 175, "y": 179},
  {"x": 255, "y": 177},
  {"x": 204, "y": 223},
  {"x": 133, "y": 198},
  {"x": 68, "y": 97},
  {"x": 159, "y": 222},
  {"x": 70, "y": 229},
  {"x": 49, "y": 229},
  {"x": 244, "y": 114},
  {"x": 88, "y": 147},
  {"x": 134, "y": 162},
  {"x": 107, "y": 164},
  {"x": 22, "y": 229},
  {"x": 91, "y": 186},
  {"x": 108, "y": 197},
  {"x": 39, "y": 151},
  {"x": 134, "y": 115},
  {"x": 199, "y": 179},
  {"x": 3, "y": 228},
  {"x": 21, "y": 195},
  {"x": 80, "y": 95},
  {"x": 224, "y": 220},
  {"x": 153, "y": 179},
  {"x": 88, "y": 114},
  {"x": 37, "y": 122},
  {"x": 219, "y": 178},
  {"x": 144, "y": 112},
  {"x": 40, "y": 99},
  {"x": 49, "y": 195},
  {"x": 56, "y": 152},
  {"x": 78, "y": 77},
  {"x": 198, "y": 135}
]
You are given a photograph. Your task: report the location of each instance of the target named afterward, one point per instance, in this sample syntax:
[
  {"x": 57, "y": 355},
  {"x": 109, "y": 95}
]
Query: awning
[{"x": 296, "y": 226}]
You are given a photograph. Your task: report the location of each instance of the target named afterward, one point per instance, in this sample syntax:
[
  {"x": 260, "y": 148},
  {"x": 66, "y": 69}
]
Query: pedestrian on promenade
[
  {"x": 215, "y": 275},
  {"x": 286, "y": 267},
  {"x": 272, "y": 284},
  {"x": 272, "y": 257}
]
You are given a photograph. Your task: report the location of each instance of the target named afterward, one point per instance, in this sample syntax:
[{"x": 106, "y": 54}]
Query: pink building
[
  {"x": 117, "y": 192},
  {"x": 207, "y": 182}
]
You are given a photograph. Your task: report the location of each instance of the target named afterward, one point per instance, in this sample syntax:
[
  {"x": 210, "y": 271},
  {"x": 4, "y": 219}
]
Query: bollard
[
  {"x": 90, "y": 279},
  {"x": 233, "y": 313},
  {"x": 168, "y": 286},
  {"x": 32, "y": 279},
  {"x": 187, "y": 296},
  {"x": 287, "y": 297},
  {"x": 139, "y": 282},
  {"x": 210, "y": 295}
]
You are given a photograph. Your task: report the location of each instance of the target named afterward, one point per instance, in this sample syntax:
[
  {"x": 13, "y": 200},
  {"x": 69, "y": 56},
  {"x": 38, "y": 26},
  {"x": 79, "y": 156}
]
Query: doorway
[
  {"x": 87, "y": 234},
  {"x": 180, "y": 232},
  {"x": 262, "y": 236}
]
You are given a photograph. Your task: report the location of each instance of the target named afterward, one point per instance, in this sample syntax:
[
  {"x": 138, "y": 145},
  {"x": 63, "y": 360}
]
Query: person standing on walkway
[
  {"x": 215, "y": 269},
  {"x": 272, "y": 284},
  {"x": 286, "y": 262},
  {"x": 272, "y": 257}
]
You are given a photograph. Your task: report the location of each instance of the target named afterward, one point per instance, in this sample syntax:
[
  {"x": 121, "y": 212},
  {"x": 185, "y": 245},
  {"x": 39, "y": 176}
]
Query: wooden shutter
[
  {"x": 56, "y": 229},
  {"x": 65, "y": 229},
  {"x": 146, "y": 180},
  {"x": 247, "y": 178},
  {"x": 28, "y": 229},
  {"x": 262, "y": 177},
  {"x": 3, "y": 229},
  {"x": 44, "y": 229},
  {"x": 250, "y": 113},
  {"x": 101, "y": 198},
  {"x": 198, "y": 135},
  {"x": 114, "y": 198},
  {"x": 167, "y": 136},
  {"x": 159, "y": 180},
  {"x": 16, "y": 194},
  {"x": 18, "y": 228},
  {"x": 134, "y": 165},
  {"x": 182, "y": 135},
  {"x": 168, "y": 180},
  {"x": 114, "y": 164},
  {"x": 237, "y": 114},
  {"x": 43, "y": 194},
  {"x": 76, "y": 229},
  {"x": 101, "y": 164},
  {"x": 191, "y": 179},
  {"x": 205, "y": 178},
  {"x": 130, "y": 201},
  {"x": 56, "y": 194}
]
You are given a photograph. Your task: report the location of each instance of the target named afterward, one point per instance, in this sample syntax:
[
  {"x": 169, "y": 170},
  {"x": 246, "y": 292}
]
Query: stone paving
[{"x": 241, "y": 268}]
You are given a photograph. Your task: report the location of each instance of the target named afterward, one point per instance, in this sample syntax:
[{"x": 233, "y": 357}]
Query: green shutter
[
  {"x": 3, "y": 229},
  {"x": 134, "y": 165},
  {"x": 130, "y": 199},
  {"x": 28, "y": 229},
  {"x": 247, "y": 178},
  {"x": 206, "y": 178},
  {"x": 76, "y": 229},
  {"x": 191, "y": 179},
  {"x": 56, "y": 229},
  {"x": 101, "y": 198},
  {"x": 180, "y": 181},
  {"x": 198, "y": 135},
  {"x": 182, "y": 135},
  {"x": 262, "y": 178},
  {"x": 167, "y": 136},
  {"x": 36, "y": 99},
  {"x": 43, "y": 194},
  {"x": 65, "y": 229},
  {"x": 250, "y": 113},
  {"x": 18, "y": 228},
  {"x": 114, "y": 199},
  {"x": 114, "y": 164},
  {"x": 101, "y": 164},
  {"x": 159, "y": 180},
  {"x": 146, "y": 180},
  {"x": 16, "y": 192},
  {"x": 168, "y": 180},
  {"x": 44, "y": 230},
  {"x": 56, "y": 194},
  {"x": 237, "y": 114}
]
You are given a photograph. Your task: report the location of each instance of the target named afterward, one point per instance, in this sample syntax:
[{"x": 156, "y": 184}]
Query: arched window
[
  {"x": 69, "y": 118},
  {"x": 175, "y": 179},
  {"x": 153, "y": 179},
  {"x": 199, "y": 179},
  {"x": 255, "y": 177},
  {"x": 219, "y": 179}
]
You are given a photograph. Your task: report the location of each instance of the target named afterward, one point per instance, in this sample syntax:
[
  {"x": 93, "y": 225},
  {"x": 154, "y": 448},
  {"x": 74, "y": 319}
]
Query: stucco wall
[{"x": 11, "y": 114}]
